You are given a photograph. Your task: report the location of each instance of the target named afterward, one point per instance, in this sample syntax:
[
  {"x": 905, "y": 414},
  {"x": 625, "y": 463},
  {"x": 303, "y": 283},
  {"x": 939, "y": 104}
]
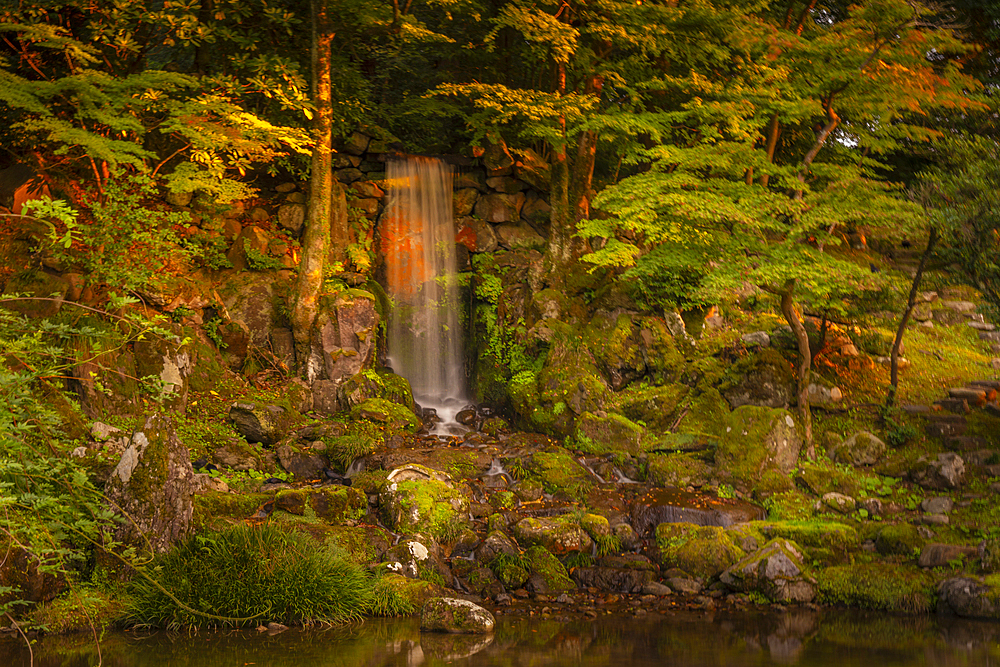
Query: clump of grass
[
  {"x": 345, "y": 449},
  {"x": 607, "y": 545},
  {"x": 251, "y": 574}
]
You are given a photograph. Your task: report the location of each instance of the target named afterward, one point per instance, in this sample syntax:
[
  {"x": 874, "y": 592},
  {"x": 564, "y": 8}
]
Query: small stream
[{"x": 827, "y": 638}]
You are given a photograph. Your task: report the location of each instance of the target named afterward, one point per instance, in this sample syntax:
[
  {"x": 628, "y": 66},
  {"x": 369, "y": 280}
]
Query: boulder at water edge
[
  {"x": 453, "y": 615},
  {"x": 775, "y": 570}
]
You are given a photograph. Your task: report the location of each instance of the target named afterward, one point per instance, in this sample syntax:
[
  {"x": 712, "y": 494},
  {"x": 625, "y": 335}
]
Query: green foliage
[
  {"x": 283, "y": 576},
  {"x": 260, "y": 261},
  {"x": 124, "y": 241}
]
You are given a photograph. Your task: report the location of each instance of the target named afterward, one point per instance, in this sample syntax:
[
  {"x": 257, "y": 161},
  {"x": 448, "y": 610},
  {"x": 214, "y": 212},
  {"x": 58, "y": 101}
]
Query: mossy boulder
[
  {"x": 364, "y": 541},
  {"x": 370, "y": 384},
  {"x": 608, "y": 434},
  {"x": 901, "y": 539},
  {"x": 616, "y": 346},
  {"x": 153, "y": 485},
  {"x": 559, "y": 473},
  {"x": 547, "y": 574},
  {"x": 266, "y": 424},
  {"x": 656, "y": 406},
  {"x": 707, "y": 414},
  {"x": 701, "y": 551},
  {"x": 824, "y": 541},
  {"x": 338, "y": 504},
  {"x": 387, "y": 413},
  {"x": 879, "y": 586},
  {"x": 422, "y": 501},
  {"x": 677, "y": 470},
  {"x": 861, "y": 449},
  {"x": 560, "y": 535},
  {"x": 764, "y": 379},
  {"x": 756, "y": 439},
  {"x": 969, "y": 598},
  {"x": 776, "y": 570},
  {"x": 216, "y": 510}
]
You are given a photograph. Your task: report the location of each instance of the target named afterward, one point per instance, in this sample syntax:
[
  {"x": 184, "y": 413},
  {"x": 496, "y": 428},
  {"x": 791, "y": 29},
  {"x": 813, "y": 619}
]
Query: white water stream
[{"x": 418, "y": 243}]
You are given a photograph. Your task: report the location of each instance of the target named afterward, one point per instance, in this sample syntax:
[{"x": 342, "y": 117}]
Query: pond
[{"x": 824, "y": 638}]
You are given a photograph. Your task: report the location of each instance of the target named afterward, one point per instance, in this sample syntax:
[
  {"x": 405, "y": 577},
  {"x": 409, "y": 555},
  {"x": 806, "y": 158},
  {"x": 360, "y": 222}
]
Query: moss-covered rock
[
  {"x": 559, "y": 473},
  {"x": 707, "y": 414},
  {"x": 861, "y": 449},
  {"x": 607, "y": 435},
  {"x": 453, "y": 615},
  {"x": 823, "y": 541},
  {"x": 382, "y": 411},
  {"x": 764, "y": 379},
  {"x": 370, "y": 384},
  {"x": 338, "y": 504},
  {"x": 677, "y": 470},
  {"x": 756, "y": 439},
  {"x": 616, "y": 346},
  {"x": 363, "y": 542},
  {"x": 215, "y": 510},
  {"x": 560, "y": 535},
  {"x": 701, "y": 551},
  {"x": 547, "y": 573},
  {"x": 822, "y": 477},
  {"x": 884, "y": 587},
  {"x": 775, "y": 570},
  {"x": 900, "y": 539},
  {"x": 423, "y": 501},
  {"x": 655, "y": 406}
]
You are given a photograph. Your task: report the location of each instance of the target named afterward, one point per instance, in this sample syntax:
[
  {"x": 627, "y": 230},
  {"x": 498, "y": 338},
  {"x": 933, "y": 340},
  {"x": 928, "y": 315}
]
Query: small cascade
[{"x": 418, "y": 243}]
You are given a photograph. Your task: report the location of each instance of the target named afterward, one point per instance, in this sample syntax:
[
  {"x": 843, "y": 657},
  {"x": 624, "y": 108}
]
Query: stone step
[
  {"x": 965, "y": 443},
  {"x": 973, "y": 396},
  {"x": 982, "y": 326},
  {"x": 986, "y": 384},
  {"x": 916, "y": 409},
  {"x": 945, "y": 429},
  {"x": 956, "y": 405},
  {"x": 991, "y": 336}
]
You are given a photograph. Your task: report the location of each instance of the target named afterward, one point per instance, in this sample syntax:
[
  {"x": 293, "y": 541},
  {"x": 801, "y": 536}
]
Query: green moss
[
  {"x": 756, "y": 439},
  {"x": 372, "y": 482},
  {"x": 544, "y": 564},
  {"x": 512, "y": 571},
  {"x": 791, "y": 505},
  {"x": 607, "y": 435},
  {"x": 503, "y": 500},
  {"x": 823, "y": 476},
  {"x": 382, "y": 411},
  {"x": 655, "y": 406},
  {"x": 338, "y": 504},
  {"x": 901, "y": 539},
  {"x": 559, "y": 473},
  {"x": 428, "y": 507},
  {"x": 702, "y": 551},
  {"x": 878, "y": 586},
  {"x": 677, "y": 470},
  {"x": 707, "y": 414},
  {"x": 823, "y": 541},
  {"x": 364, "y": 543}
]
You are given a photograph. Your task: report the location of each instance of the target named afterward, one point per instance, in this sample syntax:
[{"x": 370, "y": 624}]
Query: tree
[{"x": 762, "y": 165}]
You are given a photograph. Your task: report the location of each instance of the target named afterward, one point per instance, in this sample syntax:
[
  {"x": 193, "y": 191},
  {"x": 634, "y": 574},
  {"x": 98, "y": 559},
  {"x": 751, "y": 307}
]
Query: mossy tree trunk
[{"x": 787, "y": 294}]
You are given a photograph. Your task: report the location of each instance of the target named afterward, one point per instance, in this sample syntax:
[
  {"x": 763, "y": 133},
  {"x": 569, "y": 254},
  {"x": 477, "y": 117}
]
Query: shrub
[{"x": 283, "y": 576}]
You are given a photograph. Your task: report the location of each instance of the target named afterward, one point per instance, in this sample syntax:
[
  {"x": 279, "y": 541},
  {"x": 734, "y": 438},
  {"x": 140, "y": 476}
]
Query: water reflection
[{"x": 683, "y": 639}]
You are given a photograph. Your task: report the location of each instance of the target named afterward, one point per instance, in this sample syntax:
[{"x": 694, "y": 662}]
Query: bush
[{"x": 283, "y": 576}]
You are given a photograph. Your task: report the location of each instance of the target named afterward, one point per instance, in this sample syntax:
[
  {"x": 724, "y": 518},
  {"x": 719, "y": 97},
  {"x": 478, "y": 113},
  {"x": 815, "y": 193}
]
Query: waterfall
[{"x": 418, "y": 243}]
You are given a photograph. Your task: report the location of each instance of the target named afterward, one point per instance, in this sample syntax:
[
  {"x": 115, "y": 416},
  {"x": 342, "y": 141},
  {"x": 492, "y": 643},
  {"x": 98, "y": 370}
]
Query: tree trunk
[
  {"x": 316, "y": 239},
  {"x": 897, "y": 343},
  {"x": 805, "y": 362}
]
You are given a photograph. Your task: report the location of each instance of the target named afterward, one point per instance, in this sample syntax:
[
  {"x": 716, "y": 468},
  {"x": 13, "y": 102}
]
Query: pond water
[{"x": 679, "y": 639}]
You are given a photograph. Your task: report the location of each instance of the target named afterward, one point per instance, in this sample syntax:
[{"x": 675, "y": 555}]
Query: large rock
[
  {"x": 702, "y": 551},
  {"x": 963, "y": 596},
  {"x": 559, "y": 535},
  {"x": 153, "y": 485},
  {"x": 758, "y": 439},
  {"x": 476, "y": 235},
  {"x": 946, "y": 471},
  {"x": 765, "y": 380},
  {"x": 497, "y": 208},
  {"x": 463, "y": 201},
  {"x": 519, "y": 236},
  {"x": 343, "y": 341},
  {"x": 423, "y": 501},
  {"x": 303, "y": 465},
  {"x": 292, "y": 217},
  {"x": 533, "y": 170},
  {"x": 19, "y": 570},
  {"x": 861, "y": 449},
  {"x": 265, "y": 424},
  {"x": 941, "y": 555},
  {"x": 775, "y": 570},
  {"x": 454, "y": 615}
]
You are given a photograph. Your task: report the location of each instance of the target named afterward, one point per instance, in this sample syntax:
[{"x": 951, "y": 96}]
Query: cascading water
[{"x": 418, "y": 243}]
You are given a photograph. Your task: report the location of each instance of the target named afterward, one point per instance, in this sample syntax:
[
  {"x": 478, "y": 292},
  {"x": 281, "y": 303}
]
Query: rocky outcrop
[{"x": 152, "y": 487}]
